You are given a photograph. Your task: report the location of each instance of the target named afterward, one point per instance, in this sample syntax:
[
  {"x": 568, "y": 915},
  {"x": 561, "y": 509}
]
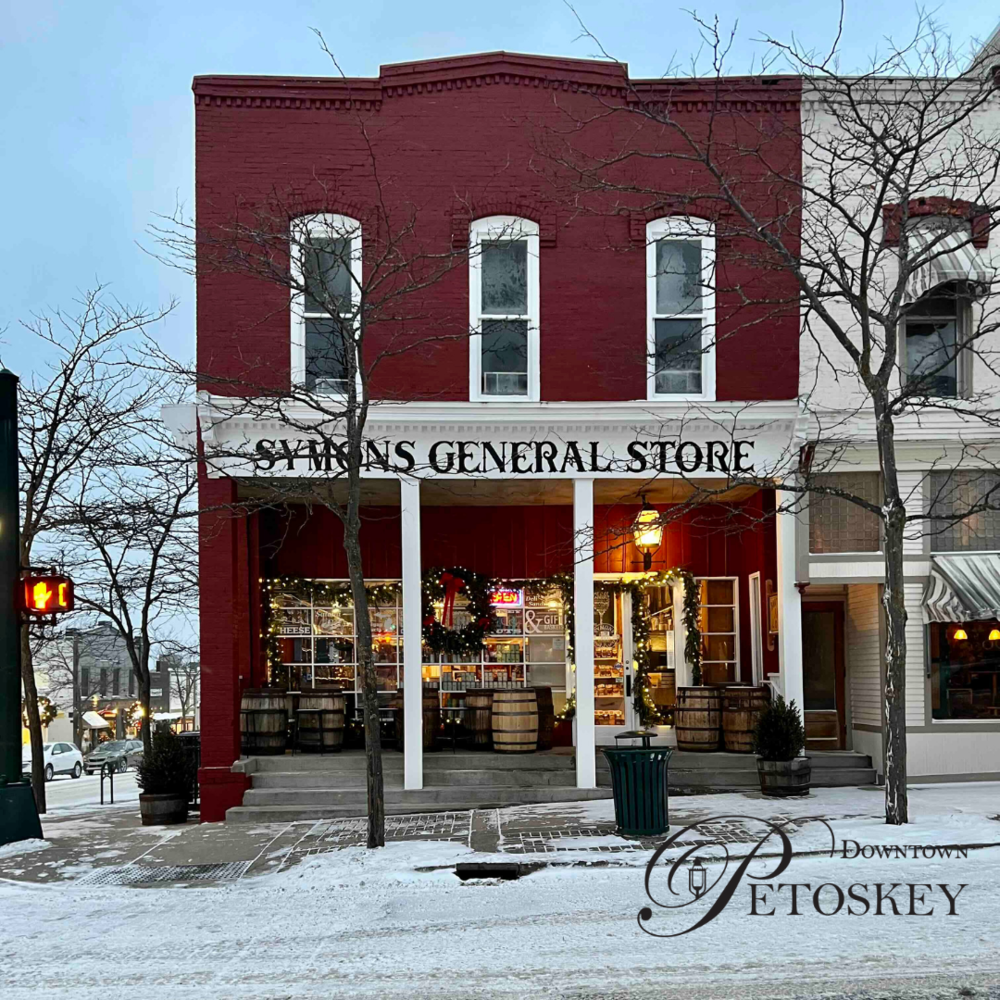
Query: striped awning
[
  {"x": 963, "y": 588},
  {"x": 951, "y": 257}
]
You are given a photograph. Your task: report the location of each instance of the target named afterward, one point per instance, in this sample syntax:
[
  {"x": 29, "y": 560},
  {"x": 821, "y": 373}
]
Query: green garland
[{"x": 477, "y": 589}]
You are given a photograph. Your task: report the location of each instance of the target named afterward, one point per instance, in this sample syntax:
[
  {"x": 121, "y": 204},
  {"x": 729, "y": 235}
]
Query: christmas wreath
[{"x": 446, "y": 586}]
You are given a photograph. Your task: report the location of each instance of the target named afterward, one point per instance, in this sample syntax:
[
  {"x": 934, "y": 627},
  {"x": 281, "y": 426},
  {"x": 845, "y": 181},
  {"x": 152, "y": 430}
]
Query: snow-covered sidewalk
[{"x": 398, "y": 922}]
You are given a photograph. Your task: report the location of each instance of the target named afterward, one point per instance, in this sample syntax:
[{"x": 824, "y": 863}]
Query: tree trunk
[
  {"x": 366, "y": 663},
  {"x": 896, "y": 808},
  {"x": 34, "y": 720},
  {"x": 146, "y": 723}
]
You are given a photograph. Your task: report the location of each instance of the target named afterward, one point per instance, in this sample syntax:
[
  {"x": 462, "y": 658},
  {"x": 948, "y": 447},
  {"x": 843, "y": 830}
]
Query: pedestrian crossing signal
[{"x": 48, "y": 595}]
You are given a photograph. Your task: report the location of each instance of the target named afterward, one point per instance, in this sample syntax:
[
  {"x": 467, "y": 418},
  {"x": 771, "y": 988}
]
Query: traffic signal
[{"x": 48, "y": 595}]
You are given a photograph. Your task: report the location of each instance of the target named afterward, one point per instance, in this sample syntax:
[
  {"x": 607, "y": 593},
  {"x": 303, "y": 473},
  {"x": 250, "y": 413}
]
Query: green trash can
[{"x": 639, "y": 783}]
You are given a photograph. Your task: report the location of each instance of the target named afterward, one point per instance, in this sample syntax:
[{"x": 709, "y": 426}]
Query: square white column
[
  {"x": 583, "y": 636},
  {"x": 789, "y": 604},
  {"x": 413, "y": 722}
]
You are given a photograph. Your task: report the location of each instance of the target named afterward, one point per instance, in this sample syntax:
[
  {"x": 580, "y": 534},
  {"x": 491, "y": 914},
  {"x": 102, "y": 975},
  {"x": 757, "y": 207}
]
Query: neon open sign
[{"x": 506, "y": 598}]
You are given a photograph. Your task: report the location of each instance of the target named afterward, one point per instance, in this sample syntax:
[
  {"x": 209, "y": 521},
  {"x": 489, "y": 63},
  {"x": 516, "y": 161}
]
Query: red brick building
[{"x": 639, "y": 352}]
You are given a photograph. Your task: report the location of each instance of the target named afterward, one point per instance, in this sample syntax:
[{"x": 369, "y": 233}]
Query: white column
[
  {"x": 413, "y": 739},
  {"x": 583, "y": 637},
  {"x": 682, "y": 669},
  {"x": 789, "y": 605}
]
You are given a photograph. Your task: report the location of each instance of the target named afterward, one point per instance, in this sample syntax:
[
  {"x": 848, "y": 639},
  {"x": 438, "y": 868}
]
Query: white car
[{"x": 60, "y": 758}]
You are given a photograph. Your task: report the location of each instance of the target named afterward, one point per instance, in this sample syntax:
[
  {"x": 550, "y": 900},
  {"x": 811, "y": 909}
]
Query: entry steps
[{"x": 305, "y": 787}]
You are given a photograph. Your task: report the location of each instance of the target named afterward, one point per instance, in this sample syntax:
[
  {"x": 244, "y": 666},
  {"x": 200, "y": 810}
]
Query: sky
[{"x": 96, "y": 125}]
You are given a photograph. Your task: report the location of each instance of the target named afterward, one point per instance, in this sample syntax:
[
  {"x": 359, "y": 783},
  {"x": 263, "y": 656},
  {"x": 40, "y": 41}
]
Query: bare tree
[
  {"x": 74, "y": 411},
  {"x": 185, "y": 675},
  {"x": 896, "y": 184}
]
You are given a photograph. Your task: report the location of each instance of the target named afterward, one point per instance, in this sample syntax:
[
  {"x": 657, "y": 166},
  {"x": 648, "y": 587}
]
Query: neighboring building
[{"x": 588, "y": 379}]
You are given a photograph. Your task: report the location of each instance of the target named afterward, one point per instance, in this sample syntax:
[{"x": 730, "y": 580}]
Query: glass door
[{"x": 609, "y": 664}]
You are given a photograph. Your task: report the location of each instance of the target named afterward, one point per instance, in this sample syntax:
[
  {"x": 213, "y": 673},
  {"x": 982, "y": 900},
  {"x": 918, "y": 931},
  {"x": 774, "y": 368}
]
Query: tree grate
[{"x": 148, "y": 874}]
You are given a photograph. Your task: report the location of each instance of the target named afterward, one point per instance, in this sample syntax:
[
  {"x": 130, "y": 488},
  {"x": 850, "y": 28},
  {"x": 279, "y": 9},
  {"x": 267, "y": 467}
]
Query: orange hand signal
[{"x": 40, "y": 596}]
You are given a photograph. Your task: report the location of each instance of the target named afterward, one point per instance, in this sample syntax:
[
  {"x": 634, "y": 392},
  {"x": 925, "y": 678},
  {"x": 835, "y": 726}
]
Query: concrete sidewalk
[{"x": 100, "y": 845}]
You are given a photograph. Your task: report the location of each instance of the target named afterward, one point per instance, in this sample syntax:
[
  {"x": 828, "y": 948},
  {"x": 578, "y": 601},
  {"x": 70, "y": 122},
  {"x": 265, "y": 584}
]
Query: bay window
[
  {"x": 503, "y": 309},
  {"x": 680, "y": 309},
  {"x": 326, "y": 276}
]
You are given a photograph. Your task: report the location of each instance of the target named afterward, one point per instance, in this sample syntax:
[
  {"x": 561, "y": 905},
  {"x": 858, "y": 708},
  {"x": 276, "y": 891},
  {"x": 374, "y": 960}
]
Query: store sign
[
  {"x": 544, "y": 621},
  {"x": 641, "y": 456},
  {"x": 47, "y": 595},
  {"x": 507, "y": 598}
]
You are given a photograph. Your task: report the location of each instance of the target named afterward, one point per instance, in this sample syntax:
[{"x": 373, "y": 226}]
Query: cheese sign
[
  {"x": 48, "y": 595},
  {"x": 506, "y": 598}
]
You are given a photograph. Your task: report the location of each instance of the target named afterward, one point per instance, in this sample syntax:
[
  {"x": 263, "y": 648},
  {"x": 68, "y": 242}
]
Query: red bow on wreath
[{"x": 452, "y": 585}]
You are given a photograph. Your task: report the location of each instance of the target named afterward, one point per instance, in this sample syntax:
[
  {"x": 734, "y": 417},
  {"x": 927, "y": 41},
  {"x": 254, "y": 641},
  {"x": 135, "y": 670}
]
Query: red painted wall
[{"x": 463, "y": 138}]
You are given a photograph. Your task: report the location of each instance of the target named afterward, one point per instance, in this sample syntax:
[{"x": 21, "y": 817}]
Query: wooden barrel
[
  {"x": 741, "y": 707},
  {"x": 697, "y": 718},
  {"x": 478, "y": 718},
  {"x": 321, "y": 721},
  {"x": 432, "y": 719},
  {"x": 515, "y": 721},
  {"x": 546, "y": 717},
  {"x": 263, "y": 722}
]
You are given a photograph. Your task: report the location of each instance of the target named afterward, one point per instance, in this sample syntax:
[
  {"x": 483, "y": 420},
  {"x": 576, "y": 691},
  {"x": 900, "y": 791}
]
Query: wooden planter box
[
  {"x": 163, "y": 809},
  {"x": 784, "y": 778}
]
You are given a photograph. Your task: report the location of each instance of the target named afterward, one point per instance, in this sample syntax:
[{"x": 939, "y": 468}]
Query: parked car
[
  {"x": 60, "y": 758},
  {"x": 122, "y": 754}
]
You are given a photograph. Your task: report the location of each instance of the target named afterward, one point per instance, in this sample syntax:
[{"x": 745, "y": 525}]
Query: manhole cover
[{"x": 144, "y": 874}]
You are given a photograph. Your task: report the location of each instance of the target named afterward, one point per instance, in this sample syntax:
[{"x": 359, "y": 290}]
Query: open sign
[{"x": 506, "y": 598}]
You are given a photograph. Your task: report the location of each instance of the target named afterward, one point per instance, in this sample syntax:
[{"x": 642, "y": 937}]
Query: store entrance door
[{"x": 823, "y": 675}]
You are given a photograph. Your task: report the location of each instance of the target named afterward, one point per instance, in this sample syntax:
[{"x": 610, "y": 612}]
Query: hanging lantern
[
  {"x": 647, "y": 533},
  {"x": 994, "y": 634},
  {"x": 961, "y": 635}
]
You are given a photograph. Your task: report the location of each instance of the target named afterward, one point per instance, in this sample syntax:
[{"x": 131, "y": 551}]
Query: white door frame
[{"x": 756, "y": 630}]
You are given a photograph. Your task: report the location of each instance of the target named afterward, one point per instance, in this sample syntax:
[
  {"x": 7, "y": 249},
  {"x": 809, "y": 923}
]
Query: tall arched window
[
  {"x": 326, "y": 297},
  {"x": 680, "y": 309},
  {"x": 503, "y": 309}
]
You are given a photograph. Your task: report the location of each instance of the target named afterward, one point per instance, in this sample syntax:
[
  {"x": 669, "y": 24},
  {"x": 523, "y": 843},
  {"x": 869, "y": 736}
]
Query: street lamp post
[{"x": 18, "y": 812}]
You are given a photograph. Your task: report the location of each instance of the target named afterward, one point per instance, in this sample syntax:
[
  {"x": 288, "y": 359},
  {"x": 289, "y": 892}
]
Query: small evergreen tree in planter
[
  {"x": 778, "y": 740},
  {"x": 165, "y": 776}
]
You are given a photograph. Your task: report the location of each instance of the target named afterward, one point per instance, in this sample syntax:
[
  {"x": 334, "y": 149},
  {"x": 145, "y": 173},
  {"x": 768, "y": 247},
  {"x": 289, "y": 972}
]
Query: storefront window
[
  {"x": 662, "y": 664},
  {"x": 965, "y": 670},
  {"x": 836, "y": 524},
  {"x": 717, "y": 624},
  {"x": 955, "y": 491}
]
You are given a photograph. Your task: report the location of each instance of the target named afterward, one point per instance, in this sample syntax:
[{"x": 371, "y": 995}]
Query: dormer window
[
  {"x": 326, "y": 273},
  {"x": 503, "y": 310},
  {"x": 680, "y": 309}
]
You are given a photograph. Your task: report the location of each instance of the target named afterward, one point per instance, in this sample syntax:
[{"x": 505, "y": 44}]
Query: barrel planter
[
  {"x": 741, "y": 707},
  {"x": 320, "y": 726},
  {"x": 546, "y": 717},
  {"x": 697, "y": 718},
  {"x": 479, "y": 718},
  {"x": 515, "y": 721},
  {"x": 784, "y": 778},
  {"x": 263, "y": 722},
  {"x": 163, "y": 808}
]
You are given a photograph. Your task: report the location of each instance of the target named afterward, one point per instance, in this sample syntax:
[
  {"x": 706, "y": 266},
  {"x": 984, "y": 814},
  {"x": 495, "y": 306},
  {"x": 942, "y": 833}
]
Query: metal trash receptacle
[{"x": 639, "y": 783}]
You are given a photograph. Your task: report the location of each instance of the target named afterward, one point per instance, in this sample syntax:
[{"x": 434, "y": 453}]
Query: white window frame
[
  {"x": 302, "y": 228},
  {"x": 963, "y": 358},
  {"x": 736, "y": 623},
  {"x": 502, "y": 227},
  {"x": 687, "y": 228}
]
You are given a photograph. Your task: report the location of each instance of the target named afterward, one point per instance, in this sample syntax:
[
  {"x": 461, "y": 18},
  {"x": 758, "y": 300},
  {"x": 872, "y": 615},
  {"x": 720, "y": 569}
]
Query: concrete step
[
  {"x": 398, "y": 803},
  {"x": 839, "y": 760},
  {"x": 322, "y": 779},
  {"x": 830, "y": 777},
  {"x": 528, "y": 778},
  {"x": 354, "y": 760}
]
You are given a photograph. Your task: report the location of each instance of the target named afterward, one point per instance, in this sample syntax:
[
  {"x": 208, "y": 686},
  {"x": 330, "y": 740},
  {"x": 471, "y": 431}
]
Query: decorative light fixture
[
  {"x": 697, "y": 878},
  {"x": 961, "y": 635},
  {"x": 994, "y": 634},
  {"x": 647, "y": 533}
]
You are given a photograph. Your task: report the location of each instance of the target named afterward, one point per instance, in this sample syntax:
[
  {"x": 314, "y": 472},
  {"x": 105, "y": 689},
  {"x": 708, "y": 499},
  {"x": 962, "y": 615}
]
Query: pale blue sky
[{"x": 97, "y": 113}]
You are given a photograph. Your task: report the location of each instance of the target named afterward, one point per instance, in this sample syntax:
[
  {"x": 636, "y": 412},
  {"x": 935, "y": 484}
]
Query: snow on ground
[
  {"x": 398, "y": 922},
  {"x": 65, "y": 792}
]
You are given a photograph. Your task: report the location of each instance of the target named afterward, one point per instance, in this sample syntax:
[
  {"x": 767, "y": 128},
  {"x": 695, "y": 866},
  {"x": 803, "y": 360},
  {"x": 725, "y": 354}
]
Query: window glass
[
  {"x": 965, "y": 673},
  {"x": 955, "y": 491},
  {"x": 678, "y": 355},
  {"x": 505, "y": 277},
  {"x": 505, "y": 357},
  {"x": 838, "y": 525},
  {"x": 326, "y": 361},
  {"x": 326, "y": 274},
  {"x": 678, "y": 277},
  {"x": 931, "y": 327},
  {"x": 717, "y": 624}
]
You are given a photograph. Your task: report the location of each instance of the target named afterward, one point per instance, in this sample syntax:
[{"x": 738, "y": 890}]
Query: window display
[{"x": 965, "y": 670}]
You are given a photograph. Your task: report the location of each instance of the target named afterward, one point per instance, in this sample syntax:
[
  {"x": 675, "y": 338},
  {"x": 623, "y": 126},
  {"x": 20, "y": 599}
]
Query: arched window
[
  {"x": 503, "y": 309},
  {"x": 326, "y": 297},
  {"x": 680, "y": 309}
]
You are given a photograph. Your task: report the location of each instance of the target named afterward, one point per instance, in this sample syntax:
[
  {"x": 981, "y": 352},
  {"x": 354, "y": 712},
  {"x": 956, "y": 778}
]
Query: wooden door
[{"x": 823, "y": 675}]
